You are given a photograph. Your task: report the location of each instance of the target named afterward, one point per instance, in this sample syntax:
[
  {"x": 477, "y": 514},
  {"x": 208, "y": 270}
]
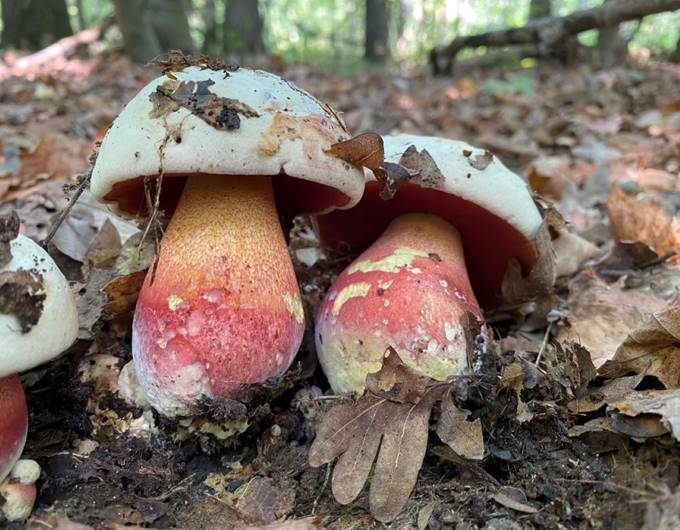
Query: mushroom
[
  {"x": 237, "y": 149},
  {"x": 437, "y": 250},
  {"x": 38, "y": 321}
]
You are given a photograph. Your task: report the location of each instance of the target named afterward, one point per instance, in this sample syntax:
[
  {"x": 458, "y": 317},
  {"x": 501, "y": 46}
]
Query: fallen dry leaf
[
  {"x": 644, "y": 219},
  {"x": 396, "y": 431},
  {"x": 571, "y": 251},
  {"x": 306, "y": 523},
  {"x": 218, "y": 112},
  {"x": 513, "y": 498},
  {"x": 264, "y": 499},
  {"x": 652, "y": 349},
  {"x": 518, "y": 289},
  {"x": 464, "y": 437},
  {"x": 664, "y": 405},
  {"x": 603, "y": 315},
  {"x": 366, "y": 150}
]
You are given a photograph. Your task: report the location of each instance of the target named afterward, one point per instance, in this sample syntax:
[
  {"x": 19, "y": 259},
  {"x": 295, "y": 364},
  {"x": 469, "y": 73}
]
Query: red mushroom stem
[
  {"x": 13, "y": 422},
  {"x": 224, "y": 308},
  {"x": 407, "y": 291}
]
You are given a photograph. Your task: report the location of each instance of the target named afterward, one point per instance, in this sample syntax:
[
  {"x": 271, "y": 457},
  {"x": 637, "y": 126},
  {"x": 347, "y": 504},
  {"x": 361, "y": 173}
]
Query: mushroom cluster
[
  {"x": 38, "y": 321},
  {"x": 229, "y": 156}
]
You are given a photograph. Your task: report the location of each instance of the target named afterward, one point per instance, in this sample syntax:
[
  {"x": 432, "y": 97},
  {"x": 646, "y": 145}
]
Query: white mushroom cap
[
  {"x": 469, "y": 187},
  {"x": 57, "y": 326},
  {"x": 289, "y": 134},
  {"x": 493, "y": 187}
]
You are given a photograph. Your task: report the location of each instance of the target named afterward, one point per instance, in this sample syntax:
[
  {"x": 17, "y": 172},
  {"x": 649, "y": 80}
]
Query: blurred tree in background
[
  {"x": 322, "y": 32},
  {"x": 33, "y": 24}
]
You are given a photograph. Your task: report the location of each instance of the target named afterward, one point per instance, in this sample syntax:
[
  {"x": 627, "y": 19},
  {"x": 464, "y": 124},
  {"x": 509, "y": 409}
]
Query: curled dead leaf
[
  {"x": 391, "y": 177},
  {"x": 423, "y": 165},
  {"x": 397, "y": 382},
  {"x": 658, "y": 412},
  {"x": 651, "y": 349},
  {"x": 518, "y": 289},
  {"x": 366, "y": 150}
]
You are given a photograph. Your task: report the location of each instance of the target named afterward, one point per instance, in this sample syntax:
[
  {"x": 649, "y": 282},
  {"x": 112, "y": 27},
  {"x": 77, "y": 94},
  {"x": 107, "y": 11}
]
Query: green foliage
[
  {"x": 330, "y": 33},
  {"x": 515, "y": 84}
]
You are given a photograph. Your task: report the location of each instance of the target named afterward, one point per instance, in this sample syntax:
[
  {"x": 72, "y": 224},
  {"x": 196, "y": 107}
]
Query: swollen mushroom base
[
  {"x": 223, "y": 309},
  {"x": 13, "y": 423},
  {"x": 408, "y": 291}
]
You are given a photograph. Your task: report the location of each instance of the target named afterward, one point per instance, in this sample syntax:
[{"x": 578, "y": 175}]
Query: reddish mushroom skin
[
  {"x": 13, "y": 422},
  {"x": 223, "y": 308},
  {"x": 407, "y": 291}
]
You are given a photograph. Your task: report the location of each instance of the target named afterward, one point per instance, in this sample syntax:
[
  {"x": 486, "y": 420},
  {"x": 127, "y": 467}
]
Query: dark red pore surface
[
  {"x": 488, "y": 240},
  {"x": 293, "y": 196}
]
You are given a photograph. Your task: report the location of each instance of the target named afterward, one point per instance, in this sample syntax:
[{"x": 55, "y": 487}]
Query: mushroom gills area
[
  {"x": 223, "y": 309},
  {"x": 13, "y": 422},
  {"x": 408, "y": 291}
]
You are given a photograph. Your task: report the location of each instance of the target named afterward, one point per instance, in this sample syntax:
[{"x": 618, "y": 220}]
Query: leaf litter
[{"x": 511, "y": 436}]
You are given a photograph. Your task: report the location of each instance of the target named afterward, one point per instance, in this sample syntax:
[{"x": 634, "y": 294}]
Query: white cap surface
[
  {"x": 57, "y": 327},
  {"x": 288, "y": 135},
  {"x": 475, "y": 175}
]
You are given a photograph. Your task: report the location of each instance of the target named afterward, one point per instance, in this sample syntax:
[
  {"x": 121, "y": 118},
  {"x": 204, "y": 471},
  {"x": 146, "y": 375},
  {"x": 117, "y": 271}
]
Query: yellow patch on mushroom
[
  {"x": 350, "y": 291},
  {"x": 294, "y": 306},
  {"x": 401, "y": 257},
  {"x": 174, "y": 301},
  {"x": 287, "y": 127}
]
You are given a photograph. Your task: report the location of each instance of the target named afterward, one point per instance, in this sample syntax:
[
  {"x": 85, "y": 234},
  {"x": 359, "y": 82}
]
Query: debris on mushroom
[
  {"x": 38, "y": 321},
  {"x": 448, "y": 235},
  {"x": 225, "y": 155}
]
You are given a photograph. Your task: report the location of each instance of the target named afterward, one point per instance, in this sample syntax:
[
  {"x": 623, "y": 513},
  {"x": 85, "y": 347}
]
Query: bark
[
  {"x": 243, "y": 28},
  {"x": 551, "y": 33},
  {"x": 169, "y": 21},
  {"x": 539, "y": 9},
  {"x": 33, "y": 24},
  {"x": 211, "y": 35},
  {"x": 139, "y": 38},
  {"x": 611, "y": 46},
  {"x": 377, "y": 28},
  {"x": 675, "y": 56}
]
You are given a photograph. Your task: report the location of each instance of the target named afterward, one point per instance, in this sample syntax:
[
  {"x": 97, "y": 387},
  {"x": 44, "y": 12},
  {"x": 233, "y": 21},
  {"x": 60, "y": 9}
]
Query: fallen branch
[{"x": 549, "y": 34}]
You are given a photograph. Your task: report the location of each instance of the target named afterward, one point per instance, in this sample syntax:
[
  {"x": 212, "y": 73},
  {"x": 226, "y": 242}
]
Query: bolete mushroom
[
  {"x": 447, "y": 237},
  {"x": 237, "y": 149},
  {"x": 38, "y": 321}
]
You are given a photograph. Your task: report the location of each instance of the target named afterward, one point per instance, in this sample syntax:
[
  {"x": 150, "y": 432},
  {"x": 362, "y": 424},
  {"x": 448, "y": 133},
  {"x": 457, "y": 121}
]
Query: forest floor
[{"x": 570, "y": 440}]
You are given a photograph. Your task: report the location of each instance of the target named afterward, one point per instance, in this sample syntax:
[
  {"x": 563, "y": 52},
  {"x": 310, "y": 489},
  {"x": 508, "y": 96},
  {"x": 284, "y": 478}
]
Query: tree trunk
[
  {"x": 551, "y": 33},
  {"x": 211, "y": 35},
  {"x": 539, "y": 9},
  {"x": 243, "y": 28},
  {"x": 377, "y": 27},
  {"x": 611, "y": 47},
  {"x": 139, "y": 37},
  {"x": 675, "y": 56},
  {"x": 33, "y": 24},
  {"x": 169, "y": 21}
]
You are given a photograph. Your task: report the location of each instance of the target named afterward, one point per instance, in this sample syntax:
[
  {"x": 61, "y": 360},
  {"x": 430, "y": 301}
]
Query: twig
[
  {"x": 84, "y": 183},
  {"x": 543, "y": 344},
  {"x": 323, "y": 487}
]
